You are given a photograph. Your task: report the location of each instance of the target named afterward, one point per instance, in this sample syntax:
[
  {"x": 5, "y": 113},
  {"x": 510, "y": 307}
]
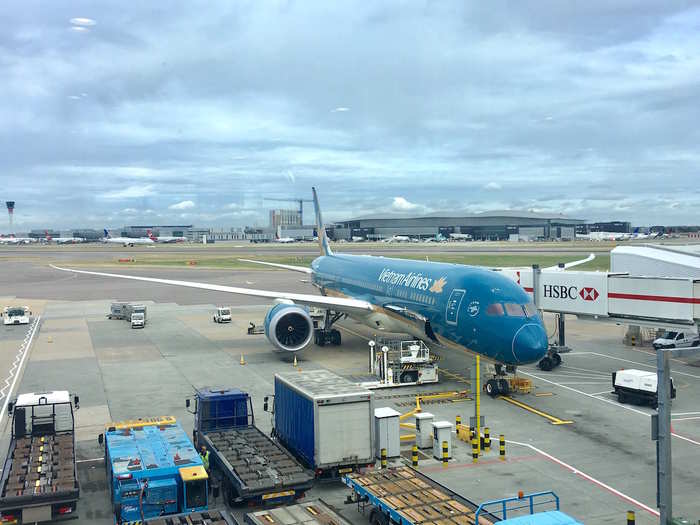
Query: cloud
[
  {"x": 401, "y": 204},
  {"x": 340, "y": 109},
  {"x": 183, "y": 205},
  {"x": 131, "y": 192},
  {"x": 493, "y": 186}
]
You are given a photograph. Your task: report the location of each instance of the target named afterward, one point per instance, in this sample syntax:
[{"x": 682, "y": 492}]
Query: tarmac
[{"x": 600, "y": 465}]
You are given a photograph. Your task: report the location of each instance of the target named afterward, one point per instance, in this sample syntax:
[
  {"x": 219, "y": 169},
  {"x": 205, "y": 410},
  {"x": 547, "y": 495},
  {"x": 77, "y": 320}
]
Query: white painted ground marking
[
  {"x": 90, "y": 460},
  {"x": 618, "y": 405},
  {"x": 17, "y": 366},
  {"x": 585, "y": 476},
  {"x": 685, "y": 418},
  {"x": 685, "y": 413},
  {"x": 583, "y": 382},
  {"x": 601, "y": 393},
  {"x": 630, "y": 361}
]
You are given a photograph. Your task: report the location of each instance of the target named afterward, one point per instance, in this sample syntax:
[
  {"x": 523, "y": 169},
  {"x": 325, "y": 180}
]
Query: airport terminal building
[{"x": 497, "y": 225}]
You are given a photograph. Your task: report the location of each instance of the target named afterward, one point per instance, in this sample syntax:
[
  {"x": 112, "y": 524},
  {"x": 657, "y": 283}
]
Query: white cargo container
[{"x": 638, "y": 386}]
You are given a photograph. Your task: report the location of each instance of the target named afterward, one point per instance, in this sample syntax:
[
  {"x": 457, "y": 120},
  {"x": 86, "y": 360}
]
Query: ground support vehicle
[
  {"x": 682, "y": 339},
  {"x": 12, "y": 315},
  {"x": 253, "y": 467},
  {"x": 222, "y": 315},
  {"x": 324, "y": 420},
  {"x": 153, "y": 470},
  {"x": 308, "y": 513},
  {"x": 209, "y": 517},
  {"x": 39, "y": 478},
  {"x": 117, "y": 310},
  {"x": 399, "y": 362},
  {"x": 138, "y": 320},
  {"x": 404, "y": 495},
  {"x": 132, "y": 308},
  {"x": 638, "y": 386}
]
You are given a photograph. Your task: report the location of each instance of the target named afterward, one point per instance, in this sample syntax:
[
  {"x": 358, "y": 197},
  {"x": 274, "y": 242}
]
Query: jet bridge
[{"x": 616, "y": 297}]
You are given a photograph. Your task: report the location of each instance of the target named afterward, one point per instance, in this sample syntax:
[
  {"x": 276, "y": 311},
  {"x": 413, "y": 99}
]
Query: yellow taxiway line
[{"x": 552, "y": 419}]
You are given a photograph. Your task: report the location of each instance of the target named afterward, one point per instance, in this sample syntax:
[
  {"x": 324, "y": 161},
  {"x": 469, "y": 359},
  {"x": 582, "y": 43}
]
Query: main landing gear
[{"x": 328, "y": 335}]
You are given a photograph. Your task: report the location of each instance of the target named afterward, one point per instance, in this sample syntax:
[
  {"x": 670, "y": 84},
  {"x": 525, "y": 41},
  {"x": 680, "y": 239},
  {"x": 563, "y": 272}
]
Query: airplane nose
[{"x": 530, "y": 343}]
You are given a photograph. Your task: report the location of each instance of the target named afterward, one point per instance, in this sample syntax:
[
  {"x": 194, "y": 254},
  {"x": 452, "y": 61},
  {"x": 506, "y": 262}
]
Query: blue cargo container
[
  {"x": 153, "y": 470},
  {"x": 325, "y": 420}
]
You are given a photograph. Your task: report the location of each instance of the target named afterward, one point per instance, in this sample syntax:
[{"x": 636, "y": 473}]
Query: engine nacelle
[{"x": 289, "y": 327}]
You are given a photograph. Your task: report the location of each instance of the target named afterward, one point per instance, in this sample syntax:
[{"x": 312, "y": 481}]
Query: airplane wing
[
  {"x": 555, "y": 268},
  {"x": 303, "y": 269},
  {"x": 339, "y": 304}
]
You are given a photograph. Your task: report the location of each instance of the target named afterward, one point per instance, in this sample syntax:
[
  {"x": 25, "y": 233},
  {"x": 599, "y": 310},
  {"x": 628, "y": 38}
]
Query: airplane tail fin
[
  {"x": 150, "y": 235},
  {"x": 107, "y": 235},
  {"x": 320, "y": 228},
  {"x": 278, "y": 233}
]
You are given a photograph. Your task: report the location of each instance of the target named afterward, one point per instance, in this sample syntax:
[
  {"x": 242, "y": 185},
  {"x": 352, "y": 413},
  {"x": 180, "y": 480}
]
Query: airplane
[
  {"x": 62, "y": 240},
  {"x": 398, "y": 238},
  {"x": 165, "y": 239},
  {"x": 11, "y": 239},
  {"x": 463, "y": 308},
  {"x": 126, "y": 241},
  {"x": 279, "y": 238}
]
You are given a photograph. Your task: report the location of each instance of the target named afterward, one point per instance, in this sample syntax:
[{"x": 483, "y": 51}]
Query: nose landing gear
[{"x": 550, "y": 361}]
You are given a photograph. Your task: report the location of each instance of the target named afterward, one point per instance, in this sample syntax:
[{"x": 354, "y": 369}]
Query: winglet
[{"x": 320, "y": 228}]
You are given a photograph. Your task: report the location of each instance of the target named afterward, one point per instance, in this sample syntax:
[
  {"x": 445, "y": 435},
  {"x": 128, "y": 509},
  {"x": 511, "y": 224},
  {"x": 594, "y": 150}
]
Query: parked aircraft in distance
[
  {"x": 12, "y": 239},
  {"x": 125, "y": 241},
  {"x": 164, "y": 238},
  {"x": 62, "y": 240}
]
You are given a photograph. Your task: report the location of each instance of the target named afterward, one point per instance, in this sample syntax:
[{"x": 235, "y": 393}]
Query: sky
[{"x": 192, "y": 112}]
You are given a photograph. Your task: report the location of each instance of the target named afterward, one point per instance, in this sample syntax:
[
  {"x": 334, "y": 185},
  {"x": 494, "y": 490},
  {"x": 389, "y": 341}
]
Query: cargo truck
[
  {"x": 324, "y": 420},
  {"x": 135, "y": 312},
  {"x": 222, "y": 315},
  {"x": 117, "y": 310},
  {"x": 153, "y": 470},
  {"x": 253, "y": 468},
  {"x": 39, "y": 478}
]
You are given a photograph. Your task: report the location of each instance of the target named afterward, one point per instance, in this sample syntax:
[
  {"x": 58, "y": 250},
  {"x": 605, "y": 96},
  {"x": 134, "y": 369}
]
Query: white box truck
[
  {"x": 222, "y": 315},
  {"x": 638, "y": 386},
  {"x": 16, "y": 315}
]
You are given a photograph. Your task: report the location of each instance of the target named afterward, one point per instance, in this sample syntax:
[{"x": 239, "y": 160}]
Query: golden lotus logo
[{"x": 438, "y": 285}]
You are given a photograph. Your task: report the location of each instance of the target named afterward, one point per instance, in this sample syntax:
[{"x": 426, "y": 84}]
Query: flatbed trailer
[
  {"x": 308, "y": 513},
  {"x": 39, "y": 478},
  {"x": 404, "y": 496},
  {"x": 209, "y": 517},
  {"x": 254, "y": 468}
]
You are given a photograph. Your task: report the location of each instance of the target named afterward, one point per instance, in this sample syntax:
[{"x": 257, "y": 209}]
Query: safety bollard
[
  {"x": 630, "y": 517},
  {"x": 487, "y": 439},
  {"x": 458, "y": 421},
  {"x": 475, "y": 449},
  {"x": 502, "y": 447},
  {"x": 471, "y": 433},
  {"x": 444, "y": 453},
  {"x": 383, "y": 458},
  {"x": 414, "y": 456}
]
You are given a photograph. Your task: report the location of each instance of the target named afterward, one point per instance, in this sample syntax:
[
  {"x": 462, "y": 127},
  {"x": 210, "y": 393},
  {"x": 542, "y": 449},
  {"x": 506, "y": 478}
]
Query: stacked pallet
[
  {"x": 416, "y": 500},
  {"x": 210, "y": 517},
  {"x": 41, "y": 465},
  {"x": 258, "y": 462}
]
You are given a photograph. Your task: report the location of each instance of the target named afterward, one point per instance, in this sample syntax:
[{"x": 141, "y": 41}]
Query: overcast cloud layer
[{"x": 193, "y": 113}]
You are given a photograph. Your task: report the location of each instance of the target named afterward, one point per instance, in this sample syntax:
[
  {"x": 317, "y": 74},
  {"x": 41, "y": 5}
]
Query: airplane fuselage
[{"x": 467, "y": 307}]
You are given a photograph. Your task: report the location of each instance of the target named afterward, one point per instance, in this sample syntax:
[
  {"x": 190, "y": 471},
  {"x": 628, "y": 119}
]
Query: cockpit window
[
  {"x": 515, "y": 310},
  {"x": 495, "y": 309},
  {"x": 530, "y": 310}
]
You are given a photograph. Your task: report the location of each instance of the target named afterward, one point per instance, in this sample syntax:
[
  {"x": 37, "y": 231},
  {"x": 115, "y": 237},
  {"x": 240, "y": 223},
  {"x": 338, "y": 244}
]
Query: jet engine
[{"x": 289, "y": 327}]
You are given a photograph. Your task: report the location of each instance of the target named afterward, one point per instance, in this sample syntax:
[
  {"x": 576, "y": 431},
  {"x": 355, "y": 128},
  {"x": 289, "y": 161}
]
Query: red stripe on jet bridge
[{"x": 659, "y": 298}]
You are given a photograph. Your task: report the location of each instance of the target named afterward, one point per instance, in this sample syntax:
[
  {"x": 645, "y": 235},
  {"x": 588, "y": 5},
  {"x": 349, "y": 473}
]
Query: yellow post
[
  {"x": 487, "y": 439},
  {"x": 478, "y": 401},
  {"x": 458, "y": 422},
  {"x": 242, "y": 360},
  {"x": 295, "y": 361},
  {"x": 445, "y": 453},
  {"x": 383, "y": 458},
  {"x": 475, "y": 449},
  {"x": 630, "y": 517},
  {"x": 502, "y": 447},
  {"x": 414, "y": 455}
]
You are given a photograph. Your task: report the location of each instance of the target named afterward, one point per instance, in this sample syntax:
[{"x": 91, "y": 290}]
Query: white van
[{"x": 677, "y": 340}]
